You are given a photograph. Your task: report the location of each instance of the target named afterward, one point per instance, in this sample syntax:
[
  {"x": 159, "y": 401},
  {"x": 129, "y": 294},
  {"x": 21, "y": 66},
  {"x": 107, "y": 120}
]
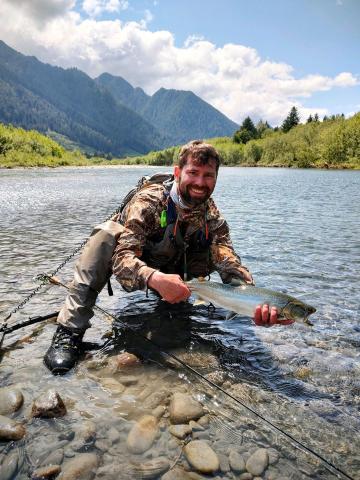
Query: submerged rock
[
  {"x": 10, "y": 429},
  {"x": 201, "y": 456},
  {"x": 112, "y": 385},
  {"x": 48, "y": 405},
  {"x": 143, "y": 434},
  {"x": 51, "y": 471},
  {"x": 176, "y": 473},
  {"x": 82, "y": 467},
  {"x": 237, "y": 462},
  {"x": 122, "y": 361},
  {"x": 180, "y": 431},
  {"x": 151, "y": 469},
  {"x": 184, "y": 408},
  {"x": 258, "y": 462},
  {"x": 11, "y": 399}
]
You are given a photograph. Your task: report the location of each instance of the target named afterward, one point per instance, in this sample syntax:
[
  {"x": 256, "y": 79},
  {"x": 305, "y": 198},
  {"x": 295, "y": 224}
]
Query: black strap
[{"x": 109, "y": 287}]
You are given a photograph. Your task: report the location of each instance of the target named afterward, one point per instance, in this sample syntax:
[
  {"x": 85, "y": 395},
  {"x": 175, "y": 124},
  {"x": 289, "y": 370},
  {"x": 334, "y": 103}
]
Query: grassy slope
[{"x": 330, "y": 144}]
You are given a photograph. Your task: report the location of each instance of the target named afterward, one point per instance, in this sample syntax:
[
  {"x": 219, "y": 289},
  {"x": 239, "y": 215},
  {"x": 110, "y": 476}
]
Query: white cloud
[
  {"x": 233, "y": 78},
  {"x": 95, "y": 8}
]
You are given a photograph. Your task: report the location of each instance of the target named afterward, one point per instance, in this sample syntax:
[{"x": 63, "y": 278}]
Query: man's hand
[
  {"x": 171, "y": 287},
  {"x": 264, "y": 318}
]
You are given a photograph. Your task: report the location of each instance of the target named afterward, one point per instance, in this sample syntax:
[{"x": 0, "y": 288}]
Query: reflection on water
[{"x": 296, "y": 230}]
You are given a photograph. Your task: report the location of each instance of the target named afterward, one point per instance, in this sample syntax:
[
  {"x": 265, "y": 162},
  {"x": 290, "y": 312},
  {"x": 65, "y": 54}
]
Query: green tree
[
  {"x": 291, "y": 120},
  {"x": 246, "y": 132},
  {"x": 316, "y": 117},
  {"x": 310, "y": 119}
]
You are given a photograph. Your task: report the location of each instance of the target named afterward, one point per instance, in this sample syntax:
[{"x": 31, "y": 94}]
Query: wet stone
[
  {"x": 201, "y": 456},
  {"x": 51, "y": 471},
  {"x": 180, "y": 431},
  {"x": 112, "y": 386},
  {"x": 201, "y": 435},
  {"x": 151, "y": 469},
  {"x": 82, "y": 467},
  {"x": 54, "y": 458},
  {"x": 10, "y": 429},
  {"x": 273, "y": 456},
  {"x": 155, "y": 399},
  {"x": 11, "y": 399},
  {"x": 237, "y": 462},
  {"x": 159, "y": 411},
  {"x": 128, "y": 380},
  {"x": 245, "y": 476},
  {"x": 195, "y": 426},
  {"x": 176, "y": 473},
  {"x": 123, "y": 361},
  {"x": 224, "y": 463},
  {"x": 48, "y": 405},
  {"x": 113, "y": 435},
  {"x": 204, "y": 421},
  {"x": 143, "y": 434},
  {"x": 258, "y": 462},
  {"x": 184, "y": 408}
]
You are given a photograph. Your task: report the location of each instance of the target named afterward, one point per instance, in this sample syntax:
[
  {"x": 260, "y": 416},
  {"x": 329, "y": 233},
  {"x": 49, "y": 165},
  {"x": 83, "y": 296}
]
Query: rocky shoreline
[{"x": 159, "y": 428}]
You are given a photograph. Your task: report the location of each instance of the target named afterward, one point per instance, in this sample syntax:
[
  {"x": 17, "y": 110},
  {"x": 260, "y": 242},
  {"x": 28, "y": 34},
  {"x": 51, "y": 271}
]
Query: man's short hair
[{"x": 202, "y": 153}]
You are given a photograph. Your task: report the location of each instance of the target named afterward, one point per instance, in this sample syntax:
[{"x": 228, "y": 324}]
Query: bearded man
[{"x": 167, "y": 233}]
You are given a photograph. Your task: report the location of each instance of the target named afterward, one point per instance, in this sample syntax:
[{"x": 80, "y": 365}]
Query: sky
[{"x": 253, "y": 58}]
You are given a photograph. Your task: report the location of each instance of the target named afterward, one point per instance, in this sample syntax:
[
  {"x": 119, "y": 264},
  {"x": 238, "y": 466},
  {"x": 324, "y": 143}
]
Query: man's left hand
[{"x": 265, "y": 318}]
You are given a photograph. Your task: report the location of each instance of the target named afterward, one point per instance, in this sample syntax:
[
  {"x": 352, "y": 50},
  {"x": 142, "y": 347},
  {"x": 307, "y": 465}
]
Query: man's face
[{"x": 196, "y": 182}]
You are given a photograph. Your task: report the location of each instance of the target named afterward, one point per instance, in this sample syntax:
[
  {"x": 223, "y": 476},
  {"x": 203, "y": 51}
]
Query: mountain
[
  {"x": 37, "y": 95},
  {"x": 179, "y": 114},
  {"x": 106, "y": 114}
]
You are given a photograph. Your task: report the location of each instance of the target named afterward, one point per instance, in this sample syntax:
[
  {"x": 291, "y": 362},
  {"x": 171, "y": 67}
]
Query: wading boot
[{"x": 64, "y": 351}]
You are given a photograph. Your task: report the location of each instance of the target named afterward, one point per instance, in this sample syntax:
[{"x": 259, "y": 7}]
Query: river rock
[
  {"x": 85, "y": 437},
  {"x": 246, "y": 476},
  {"x": 273, "y": 456},
  {"x": 48, "y": 405},
  {"x": 180, "y": 431},
  {"x": 54, "y": 458},
  {"x": 128, "y": 380},
  {"x": 112, "y": 385},
  {"x": 258, "y": 462},
  {"x": 10, "y": 429},
  {"x": 151, "y": 469},
  {"x": 184, "y": 408},
  {"x": 51, "y": 471},
  {"x": 201, "y": 456},
  {"x": 11, "y": 399},
  {"x": 9, "y": 466},
  {"x": 123, "y": 361},
  {"x": 82, "y": 467},
  {"x": 176, "y": 473},
  {"x": 159, "y": 411},
  {"x": 237, "y": 462},
  {"x": 143, "y": 434},
  {"x": 155, "y": 399},
  {"x": 224, "y": 463}
]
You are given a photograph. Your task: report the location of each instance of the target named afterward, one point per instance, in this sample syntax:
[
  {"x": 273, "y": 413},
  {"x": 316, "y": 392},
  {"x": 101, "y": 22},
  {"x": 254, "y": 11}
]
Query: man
[{"x": 167, "y": 233}]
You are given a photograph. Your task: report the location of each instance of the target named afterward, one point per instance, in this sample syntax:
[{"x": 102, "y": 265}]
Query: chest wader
[
  {"x": 92, "y": 271},
  {"x": 93, "y": 268},
  {"x": 180, "y": 249}
]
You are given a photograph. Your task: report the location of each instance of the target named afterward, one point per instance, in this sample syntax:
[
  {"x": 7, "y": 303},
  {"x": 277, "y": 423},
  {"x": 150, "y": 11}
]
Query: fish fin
[
  {"x": 200, "y": 301},
  {"x": 231, "y": 315}
]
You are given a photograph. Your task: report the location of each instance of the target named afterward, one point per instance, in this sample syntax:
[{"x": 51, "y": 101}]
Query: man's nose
[{"x": 200, "y": 181}]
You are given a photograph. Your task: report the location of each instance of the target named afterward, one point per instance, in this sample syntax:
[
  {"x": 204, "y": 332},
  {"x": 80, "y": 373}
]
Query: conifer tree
[
  {"x": 310, "y": 119},
  {"x": 291, "y": 120}
]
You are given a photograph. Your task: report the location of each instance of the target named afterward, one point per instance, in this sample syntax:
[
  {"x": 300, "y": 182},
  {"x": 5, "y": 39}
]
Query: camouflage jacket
[{"x": 141, "y": 219}]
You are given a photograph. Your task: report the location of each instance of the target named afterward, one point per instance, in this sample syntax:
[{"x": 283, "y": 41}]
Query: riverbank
[{"x": 332, "y": 144}]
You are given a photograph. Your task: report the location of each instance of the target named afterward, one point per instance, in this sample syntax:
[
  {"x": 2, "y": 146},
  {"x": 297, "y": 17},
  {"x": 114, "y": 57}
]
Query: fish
[{"x": 242, "y": 299}]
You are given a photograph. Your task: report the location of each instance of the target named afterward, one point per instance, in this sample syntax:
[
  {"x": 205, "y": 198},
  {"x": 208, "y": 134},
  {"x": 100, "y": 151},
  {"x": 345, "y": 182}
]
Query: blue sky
[{"x": 244, "y": 57}]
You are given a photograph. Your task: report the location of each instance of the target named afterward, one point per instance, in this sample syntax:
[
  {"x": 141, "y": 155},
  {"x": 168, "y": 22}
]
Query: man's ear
[{"x": 177, "y": 173}]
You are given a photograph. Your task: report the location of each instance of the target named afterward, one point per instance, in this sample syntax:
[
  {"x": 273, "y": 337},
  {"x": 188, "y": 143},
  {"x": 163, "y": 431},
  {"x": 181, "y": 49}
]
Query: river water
[{"x": 296, "y": 230}]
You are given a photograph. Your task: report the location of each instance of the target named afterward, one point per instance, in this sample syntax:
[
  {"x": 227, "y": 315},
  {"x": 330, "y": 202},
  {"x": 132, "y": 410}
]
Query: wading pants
[{"x": 92, "y": 271}]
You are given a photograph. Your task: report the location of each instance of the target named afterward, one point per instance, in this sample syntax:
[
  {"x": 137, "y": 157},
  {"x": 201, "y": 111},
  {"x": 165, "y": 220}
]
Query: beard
[{"x": 191, "y": 200}]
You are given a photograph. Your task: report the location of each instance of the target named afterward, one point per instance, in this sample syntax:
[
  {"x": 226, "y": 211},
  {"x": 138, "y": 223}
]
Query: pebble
[
  {"x": 176, "y": 473},
  {"x": 10, "y": 429},
  {"x": 11, "y": 399},
  {"x": 204, "y": 421},
  {"x": 237, "y": 462},
  {"x": 245, "y": 476},
  {"x": 123, "y": 361},
  {"x": 151, "y": 469},
  {"x": 128, "y": 380},
  {"x": 112, "y": 385},
  {"x": 195, "y": 427},
  {"x": 143, "y": 434},
  {"x": 159, "y": 411},
  {"x": 155, "y": 399},
  {"x": 82, "y": 467},
  {"x": 258, "y": 462},
  {"x": 48, "y": 405},
  {"x": 224, "y": 463},
  {"x": 46, "y": 472},
  {"x": 113, "y": 435},
  {"x": 184, "y": 408},
  {"x": 201, "y": 456},
  {"x": 273, "y": 456},
  {"x": 54, "y": 458},
  {"x": 180, "y": 431}
]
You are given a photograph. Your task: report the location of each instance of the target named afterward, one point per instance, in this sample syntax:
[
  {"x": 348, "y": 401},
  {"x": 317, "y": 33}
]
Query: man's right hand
[{"x": 171, "y": 287}]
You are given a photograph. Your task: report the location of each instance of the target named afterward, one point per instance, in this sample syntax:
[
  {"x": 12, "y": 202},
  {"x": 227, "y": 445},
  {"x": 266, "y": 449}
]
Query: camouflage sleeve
[
  {"x": 223, "y": 256},
  {"x": 140, "y": 219}
]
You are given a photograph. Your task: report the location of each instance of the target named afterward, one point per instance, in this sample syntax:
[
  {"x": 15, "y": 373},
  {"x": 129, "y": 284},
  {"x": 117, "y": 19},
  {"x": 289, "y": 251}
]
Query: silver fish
[{"x": 243, "y": 299}]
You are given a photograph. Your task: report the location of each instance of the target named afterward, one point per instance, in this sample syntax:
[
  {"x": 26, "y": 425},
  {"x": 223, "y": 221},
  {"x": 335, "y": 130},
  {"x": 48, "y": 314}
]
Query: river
[{"x": 296, "y": 230}]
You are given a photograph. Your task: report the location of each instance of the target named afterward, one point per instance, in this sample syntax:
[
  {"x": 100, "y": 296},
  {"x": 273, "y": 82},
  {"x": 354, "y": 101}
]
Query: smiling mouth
[{"x": 197, "y": 191}]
